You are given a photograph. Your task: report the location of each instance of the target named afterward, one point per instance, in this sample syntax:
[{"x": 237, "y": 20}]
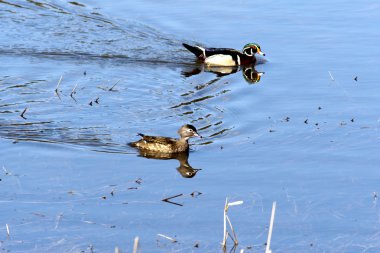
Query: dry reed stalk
[
  {"x": 224, "y": 223},
  {"x": 233, "y": 231},
  {"x": 136, "y": 244},
  {"x": 8, "y": 232}
]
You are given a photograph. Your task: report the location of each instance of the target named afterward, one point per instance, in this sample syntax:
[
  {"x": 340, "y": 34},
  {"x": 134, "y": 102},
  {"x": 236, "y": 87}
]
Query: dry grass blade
[
  {"x": 268, "y": 250},
  {"x": 59, "y": 82},
  {"x": 168, "y": 237}
]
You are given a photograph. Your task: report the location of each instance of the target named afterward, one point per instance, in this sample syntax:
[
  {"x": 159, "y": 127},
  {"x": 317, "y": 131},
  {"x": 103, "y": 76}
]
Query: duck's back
[{"x": 160, "y": 144}]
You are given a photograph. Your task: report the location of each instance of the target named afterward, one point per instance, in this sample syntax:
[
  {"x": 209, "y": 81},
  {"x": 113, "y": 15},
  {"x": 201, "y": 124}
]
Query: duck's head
[
  {"x": 252, "y": 48},
  {"x": 187, "y": 131}
]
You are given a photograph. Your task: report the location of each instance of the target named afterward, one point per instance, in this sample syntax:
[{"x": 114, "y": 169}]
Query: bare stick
[
  {"x": 166, "y": 199},
  {"x": 268, "y": 250},
  {"x": 59, "y": 82},
  {"x": 23, "y": 112},
  {"x": 136, "y": 244},
  {"x": 174, "y": 203},
  {"x": 331, "y": 76},
  {"x": 8, "y": 233},
  {"x": 111, "y": 89},
  {"x": 167, "y": 237}
]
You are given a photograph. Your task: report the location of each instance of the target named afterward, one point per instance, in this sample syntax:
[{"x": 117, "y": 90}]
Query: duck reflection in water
[
  {"x": 184, "y": 168},
  {"x": 250, "y": 74}
]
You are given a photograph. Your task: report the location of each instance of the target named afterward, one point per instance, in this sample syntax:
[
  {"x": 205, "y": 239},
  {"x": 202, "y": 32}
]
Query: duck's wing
[
  {"x": 222, "y": 51},
  {"x": 158, "y": 139}
]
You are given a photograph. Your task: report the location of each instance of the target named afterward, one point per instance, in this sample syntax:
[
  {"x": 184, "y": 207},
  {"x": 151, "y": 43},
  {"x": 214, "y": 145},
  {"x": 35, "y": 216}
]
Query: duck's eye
[{"x": 190, "y": 130}]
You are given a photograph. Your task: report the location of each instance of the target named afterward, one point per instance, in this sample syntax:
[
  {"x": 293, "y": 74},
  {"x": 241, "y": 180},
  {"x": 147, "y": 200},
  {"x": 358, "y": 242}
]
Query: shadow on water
[
  {"x": 250, "y": 74},
  {"x": 185, "y": 169}
]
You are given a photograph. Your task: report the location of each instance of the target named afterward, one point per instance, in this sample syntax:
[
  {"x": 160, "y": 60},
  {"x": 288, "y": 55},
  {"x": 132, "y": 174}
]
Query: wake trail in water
[{"x": 60, "y": 29}]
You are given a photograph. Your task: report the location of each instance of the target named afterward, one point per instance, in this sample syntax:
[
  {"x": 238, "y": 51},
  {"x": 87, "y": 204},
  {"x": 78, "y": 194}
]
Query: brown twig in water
[
  {"x": 111, "y": 89},
  {"x": 23, "y": 112}
]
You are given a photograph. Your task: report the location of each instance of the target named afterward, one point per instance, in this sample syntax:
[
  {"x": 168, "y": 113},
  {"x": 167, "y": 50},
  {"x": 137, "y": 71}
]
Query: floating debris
[
  {"x": 356, "y": 78},
  {"x": 306, "y": 121},
  {"x": 195, "y": 194},
  {"x": 22, "y": 115}
]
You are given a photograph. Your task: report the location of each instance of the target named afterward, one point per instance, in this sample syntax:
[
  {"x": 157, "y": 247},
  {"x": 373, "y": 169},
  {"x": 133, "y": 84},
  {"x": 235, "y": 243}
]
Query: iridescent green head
[{"x": 252, "y": 48}]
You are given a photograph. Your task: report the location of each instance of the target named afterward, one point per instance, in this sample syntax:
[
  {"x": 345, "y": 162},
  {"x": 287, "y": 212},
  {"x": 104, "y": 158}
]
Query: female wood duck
[
  {"x": 167, "y": 144},
  {"x": 226, "y": 56}
]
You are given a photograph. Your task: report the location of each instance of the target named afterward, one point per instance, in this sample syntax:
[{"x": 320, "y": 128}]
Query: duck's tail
[{"x": 199, "y": 52}]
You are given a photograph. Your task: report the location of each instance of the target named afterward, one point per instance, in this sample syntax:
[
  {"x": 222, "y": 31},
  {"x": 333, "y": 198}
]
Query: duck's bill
[
  {"x": 261, "y": 53},
  {"x": 198, "y": 135},
  {"x": 260, "y": 73}
]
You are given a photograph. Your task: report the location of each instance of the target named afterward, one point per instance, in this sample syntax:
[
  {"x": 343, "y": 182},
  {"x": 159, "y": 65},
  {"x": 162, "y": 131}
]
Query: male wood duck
[
  {"x": 167, "y": 144},
  {"x": 226, "y": 56}
]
